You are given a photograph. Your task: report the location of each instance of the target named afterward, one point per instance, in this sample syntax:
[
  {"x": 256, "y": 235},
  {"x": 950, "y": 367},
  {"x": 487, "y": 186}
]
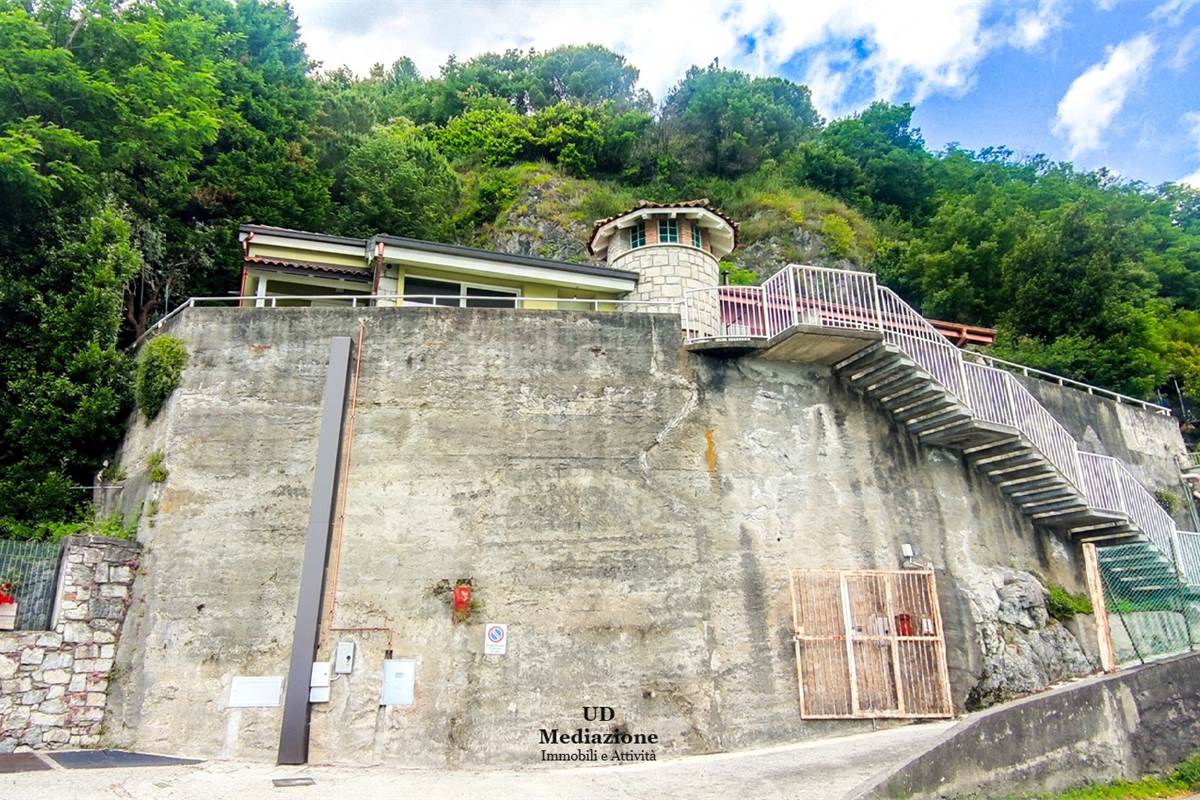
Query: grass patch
[
  {"x": 1063, "y": 605},
  {"x": 1181, "y": 782}
]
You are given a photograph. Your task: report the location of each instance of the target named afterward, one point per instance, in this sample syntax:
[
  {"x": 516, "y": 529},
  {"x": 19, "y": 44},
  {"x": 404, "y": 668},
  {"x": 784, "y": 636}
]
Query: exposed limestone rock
[
  {"x": 791, "y": 245},
  {"x": 539, "y": 223},
  {"x": 1023, "y": 650}
]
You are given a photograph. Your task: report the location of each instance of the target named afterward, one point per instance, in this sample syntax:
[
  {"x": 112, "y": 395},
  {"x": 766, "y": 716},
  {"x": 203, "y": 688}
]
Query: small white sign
[
  {"x": 495, "y": 639},
  {"x": 255, "y": 691}
]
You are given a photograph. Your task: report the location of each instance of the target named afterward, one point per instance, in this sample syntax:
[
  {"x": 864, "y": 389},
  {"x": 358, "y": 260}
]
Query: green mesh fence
[
  {"x": 1154, "y": 609},
  {"x": 33, "y": 569}
]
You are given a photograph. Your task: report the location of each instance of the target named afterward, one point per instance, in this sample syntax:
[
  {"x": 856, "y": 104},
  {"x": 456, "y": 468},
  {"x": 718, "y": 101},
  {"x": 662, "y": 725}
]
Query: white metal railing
[
  {"x": 1189, "y": 556},
  {"x": 1145, "y": 512},
  {"x": 904, "y": 327},
  {"x": 802, "y": 295},
  {"x": 1050, "y": 377},
  {"x": 1101, "y": 483},
  {"x": 366, "y": 300},
  {"x": 991, "y": 394},
  {"x": 1046, "y": 433}
]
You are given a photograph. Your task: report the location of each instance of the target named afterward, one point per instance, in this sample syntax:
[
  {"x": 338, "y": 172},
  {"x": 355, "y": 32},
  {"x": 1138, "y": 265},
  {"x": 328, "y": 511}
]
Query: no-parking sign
[{"x": 495, "y": 639}]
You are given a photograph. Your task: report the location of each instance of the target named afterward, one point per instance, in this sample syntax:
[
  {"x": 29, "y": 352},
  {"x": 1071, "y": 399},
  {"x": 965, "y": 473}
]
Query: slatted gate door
[{"x": 869, "y": 643}]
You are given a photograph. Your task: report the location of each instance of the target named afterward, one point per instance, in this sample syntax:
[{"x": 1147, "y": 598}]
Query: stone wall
[
  {"x": 669, "y": 272},
  {"x": 53, "y": 684},
  {"x": 630, "y": 510}
]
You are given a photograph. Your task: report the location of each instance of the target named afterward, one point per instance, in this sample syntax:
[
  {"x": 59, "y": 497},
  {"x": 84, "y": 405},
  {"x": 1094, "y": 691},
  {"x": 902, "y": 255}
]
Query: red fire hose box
[
  {"x": 904, "y": 626},
  {"x": 462, "y": 598}
]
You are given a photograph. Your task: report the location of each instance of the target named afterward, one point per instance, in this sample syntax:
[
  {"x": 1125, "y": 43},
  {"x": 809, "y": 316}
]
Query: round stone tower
[{"x": 674, "y": 248}]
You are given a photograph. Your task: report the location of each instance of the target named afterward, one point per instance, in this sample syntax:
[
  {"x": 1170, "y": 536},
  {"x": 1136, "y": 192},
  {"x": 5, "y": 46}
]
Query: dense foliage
[
  {"x": 159, "y": 367},
  {"x": 134, "y": 137}
]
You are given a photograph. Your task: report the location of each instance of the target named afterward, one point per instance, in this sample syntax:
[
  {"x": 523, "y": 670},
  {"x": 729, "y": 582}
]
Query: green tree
[
  {"x": 397, "y": 182},
  {"x": 725, "y": 123}
]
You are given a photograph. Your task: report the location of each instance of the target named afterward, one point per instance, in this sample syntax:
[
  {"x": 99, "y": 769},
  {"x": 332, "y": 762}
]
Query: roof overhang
[
  {"x": 483, "y": 263},
  {"x": 315, "y": 243},
  {"x": 722, "y": 235}
]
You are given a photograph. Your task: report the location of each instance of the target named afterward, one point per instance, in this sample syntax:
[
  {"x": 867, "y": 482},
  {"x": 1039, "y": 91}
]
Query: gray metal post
[{"x": 293, "y": 738}]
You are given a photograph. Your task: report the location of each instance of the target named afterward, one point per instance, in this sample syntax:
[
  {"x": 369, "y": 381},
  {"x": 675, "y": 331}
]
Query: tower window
[
  {"x": 637, "y": 235},
  {"x": 696, "y": 241},
  {"x": 668, "y": 230}
]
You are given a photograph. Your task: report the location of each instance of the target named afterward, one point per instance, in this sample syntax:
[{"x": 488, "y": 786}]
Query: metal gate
[{"x": 869, "y": 643}]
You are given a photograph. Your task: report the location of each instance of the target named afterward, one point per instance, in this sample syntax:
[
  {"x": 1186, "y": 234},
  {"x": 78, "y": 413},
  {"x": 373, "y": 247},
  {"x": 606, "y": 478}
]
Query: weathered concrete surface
[
  {"x": 814, "y": 770},
  {"x": 1120, "y": 726},
  {"x": 1148, "y": 443},
  {"x": 631, "y": 510}
]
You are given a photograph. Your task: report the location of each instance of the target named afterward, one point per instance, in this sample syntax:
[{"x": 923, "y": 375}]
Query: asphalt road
[{"x": 824, "y": 769}]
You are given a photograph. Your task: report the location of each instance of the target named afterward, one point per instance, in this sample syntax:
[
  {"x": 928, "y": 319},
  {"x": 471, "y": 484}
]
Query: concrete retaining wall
[
  {"x": 53, "y": 683},
  {"x": 630, "y": 510},
  {"x": 1121, "y": 726}
]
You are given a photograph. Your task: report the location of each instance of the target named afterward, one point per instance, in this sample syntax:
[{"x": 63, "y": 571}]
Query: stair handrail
[{"x": 803, "y": 294}]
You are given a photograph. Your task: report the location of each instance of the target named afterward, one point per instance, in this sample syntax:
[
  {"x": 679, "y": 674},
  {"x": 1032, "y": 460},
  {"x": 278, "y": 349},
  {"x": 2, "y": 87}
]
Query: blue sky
[{"x": 1111, "y": 83}]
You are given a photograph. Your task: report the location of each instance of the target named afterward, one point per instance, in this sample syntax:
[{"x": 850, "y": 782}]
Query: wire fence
[
  {"x": 1153, "y": 610},
  {"x": 32, "y": 567}
]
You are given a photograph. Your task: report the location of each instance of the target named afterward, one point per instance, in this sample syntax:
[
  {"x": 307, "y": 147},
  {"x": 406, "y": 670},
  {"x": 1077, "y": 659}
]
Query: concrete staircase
[
  {"x": 937, "y": 417},
  {"x": 885, "y": 350}
]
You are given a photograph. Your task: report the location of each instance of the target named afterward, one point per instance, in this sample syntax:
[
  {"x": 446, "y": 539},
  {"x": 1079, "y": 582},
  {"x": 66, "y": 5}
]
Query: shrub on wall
[
  {"x": 1063, "y": 605},
  {"x": 158, "y": 371}
]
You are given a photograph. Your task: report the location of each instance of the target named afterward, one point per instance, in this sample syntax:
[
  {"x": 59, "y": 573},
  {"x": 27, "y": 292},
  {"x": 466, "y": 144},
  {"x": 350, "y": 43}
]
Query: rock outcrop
[{"x": 1023, "y": 649}]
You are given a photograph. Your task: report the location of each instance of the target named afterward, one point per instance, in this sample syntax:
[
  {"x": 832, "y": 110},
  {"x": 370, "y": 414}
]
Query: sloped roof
[{"x": 700, "y": 203}]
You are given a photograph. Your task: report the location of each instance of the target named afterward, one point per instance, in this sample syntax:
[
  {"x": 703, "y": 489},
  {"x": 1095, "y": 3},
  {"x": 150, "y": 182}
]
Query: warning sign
[{"x": 495, "y": 639}]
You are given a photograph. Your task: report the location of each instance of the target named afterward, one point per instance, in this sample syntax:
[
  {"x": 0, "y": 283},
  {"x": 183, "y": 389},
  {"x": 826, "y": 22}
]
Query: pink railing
[{"x": 831, "y": 298}]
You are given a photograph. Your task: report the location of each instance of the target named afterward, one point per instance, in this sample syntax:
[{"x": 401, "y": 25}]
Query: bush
[
  {"x": 158, "y": 371},
  {"x": 1170, "y": 502},
  {"x": 154, "y": 464},
  {"x": 1063, "y": 605}
]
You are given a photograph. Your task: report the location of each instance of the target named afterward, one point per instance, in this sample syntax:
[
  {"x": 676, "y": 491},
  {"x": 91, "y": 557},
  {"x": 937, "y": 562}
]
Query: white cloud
[
  {"x": 851, "y": 50},
  {"x": 1192, "y": 180},
  {"x": 1095, "y": 98}
]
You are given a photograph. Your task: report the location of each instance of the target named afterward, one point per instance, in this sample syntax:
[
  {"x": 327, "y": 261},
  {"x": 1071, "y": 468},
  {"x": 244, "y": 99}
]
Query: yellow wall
[{"x": 526, "y": 289}]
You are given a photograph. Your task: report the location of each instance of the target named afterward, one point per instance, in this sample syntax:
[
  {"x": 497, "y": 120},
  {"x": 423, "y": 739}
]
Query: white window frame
[
  {"x": 462, "y": 290},
  {"x": 637, "y": 235},
  {"x": 663, "y": 229}
]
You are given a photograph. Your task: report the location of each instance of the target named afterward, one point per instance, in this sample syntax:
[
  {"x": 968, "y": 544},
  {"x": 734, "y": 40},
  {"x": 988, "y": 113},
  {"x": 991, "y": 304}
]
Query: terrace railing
[{"x": 829, "y": 298}]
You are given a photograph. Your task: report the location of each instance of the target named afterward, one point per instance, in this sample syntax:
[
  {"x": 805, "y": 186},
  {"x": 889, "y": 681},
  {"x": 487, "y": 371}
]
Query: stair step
[
  {"x": 924, "y": 407},
  {"x": 958, "y": 438},
  {"x": 906, "y": 399},
  {"x": 898, "y": 385},
  {"x": 875, "y": 374},
  {"x": 1018, "y": 461},
  {"x": 938, "y": 421},
  {"x": 861, "y": 357}
]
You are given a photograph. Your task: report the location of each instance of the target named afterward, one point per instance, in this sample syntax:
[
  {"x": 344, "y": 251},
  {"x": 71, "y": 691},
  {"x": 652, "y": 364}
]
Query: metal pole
[{"x": 293, "y": 738}]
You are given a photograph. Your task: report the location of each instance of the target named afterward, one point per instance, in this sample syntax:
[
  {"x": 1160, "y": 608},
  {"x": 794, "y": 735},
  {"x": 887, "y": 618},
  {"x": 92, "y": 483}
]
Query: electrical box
[
  {"x": 399, "y": 677},
  {"x": 318, "y": 684},
  {"x": 343, "y": 658},
  {"x": 320, "y": 674}
]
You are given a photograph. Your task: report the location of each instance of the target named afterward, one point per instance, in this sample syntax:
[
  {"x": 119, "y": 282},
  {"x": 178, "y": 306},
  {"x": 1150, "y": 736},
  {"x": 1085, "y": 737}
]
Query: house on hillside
[{"x": 654, "y": 254}]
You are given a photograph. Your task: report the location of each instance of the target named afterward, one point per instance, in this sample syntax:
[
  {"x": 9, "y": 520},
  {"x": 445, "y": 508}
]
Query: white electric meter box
[
  {"x": 399, "y": 677},
  {"x": 343, "y": 658},
  {"x": 320, "y": 674},
  {"x": 318, "y": 685}
]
